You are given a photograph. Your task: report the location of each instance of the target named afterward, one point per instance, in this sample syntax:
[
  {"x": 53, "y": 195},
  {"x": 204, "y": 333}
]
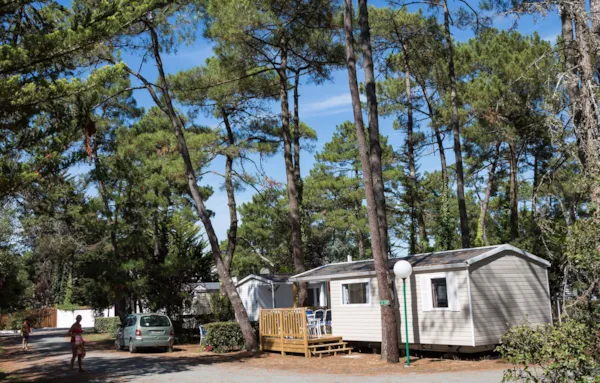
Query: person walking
[
  {"x": 25, "y": 332},
  {"x": 77, "y": 343}
]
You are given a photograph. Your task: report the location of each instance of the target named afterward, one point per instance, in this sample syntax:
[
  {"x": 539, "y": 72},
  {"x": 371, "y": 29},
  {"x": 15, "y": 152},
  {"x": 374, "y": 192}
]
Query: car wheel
[
  {"x": 132, "y": 347},
  {"x": 118, "y": 345}
]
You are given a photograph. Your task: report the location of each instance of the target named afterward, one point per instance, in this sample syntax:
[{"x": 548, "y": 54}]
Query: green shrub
[
  {"x": 224, "y": 336},
  {"x": 551, "y": 353},
  {"x": 15, "y": 320},
  {"x": 68, "y": 307},
  {"x": 107, "y": 325},
  {"x": 221, "y": 308}
]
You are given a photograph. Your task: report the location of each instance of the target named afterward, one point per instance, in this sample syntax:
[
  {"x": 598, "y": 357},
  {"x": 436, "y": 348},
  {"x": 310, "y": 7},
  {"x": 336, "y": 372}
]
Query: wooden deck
[{"x": 284, "y": 330}]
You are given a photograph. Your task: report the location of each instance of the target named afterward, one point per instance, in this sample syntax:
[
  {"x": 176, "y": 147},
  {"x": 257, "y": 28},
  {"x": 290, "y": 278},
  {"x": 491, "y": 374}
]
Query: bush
[
  {"x": 221, "y": 308},
  {"x": 224, "y": 336},
  {"x": 107, "y": 325},
  {"x": 551, "y": 353},
  {"x": 15, "y": 320}
]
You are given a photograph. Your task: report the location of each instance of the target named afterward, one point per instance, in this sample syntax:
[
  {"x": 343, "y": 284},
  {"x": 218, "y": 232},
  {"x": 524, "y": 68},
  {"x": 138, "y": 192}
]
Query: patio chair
[
  {"x": 320, "y": 316},
  {"x": 327, "y": 321},
  {"x": 313, "y": 325},
  {"x": 202, "y": 333}
]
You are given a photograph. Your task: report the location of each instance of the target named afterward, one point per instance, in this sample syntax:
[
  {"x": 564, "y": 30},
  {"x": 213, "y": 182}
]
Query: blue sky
[{"x": 322, "y": 107}]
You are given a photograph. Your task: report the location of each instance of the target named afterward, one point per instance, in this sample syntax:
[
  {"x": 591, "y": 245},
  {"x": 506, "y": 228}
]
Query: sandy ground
[{"x": 49, "y": 357}]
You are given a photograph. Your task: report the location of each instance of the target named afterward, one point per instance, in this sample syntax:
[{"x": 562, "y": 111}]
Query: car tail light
[
  {"x": 172, "y": 333},
  {"x": 138, "y": 332}
]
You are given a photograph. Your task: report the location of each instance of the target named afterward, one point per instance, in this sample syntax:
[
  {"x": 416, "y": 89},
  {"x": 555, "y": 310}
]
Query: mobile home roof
[{"x": 425, "y": 261}]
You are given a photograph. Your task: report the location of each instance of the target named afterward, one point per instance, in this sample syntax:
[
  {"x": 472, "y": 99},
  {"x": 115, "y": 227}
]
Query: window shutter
[
  {"x": 452, "y": 286},
  {"x": 426, "y": 301}
]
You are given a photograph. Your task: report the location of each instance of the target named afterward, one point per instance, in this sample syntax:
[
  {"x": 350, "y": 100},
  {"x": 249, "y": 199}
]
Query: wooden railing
[{"x": 283, "y": 324}]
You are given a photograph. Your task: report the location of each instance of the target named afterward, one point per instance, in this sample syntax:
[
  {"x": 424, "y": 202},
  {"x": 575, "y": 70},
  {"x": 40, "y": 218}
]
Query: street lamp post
[{"x": 403, "y": 269}]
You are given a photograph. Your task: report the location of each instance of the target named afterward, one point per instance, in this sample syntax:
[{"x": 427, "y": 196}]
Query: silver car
[{"x": 145, "y": 331}]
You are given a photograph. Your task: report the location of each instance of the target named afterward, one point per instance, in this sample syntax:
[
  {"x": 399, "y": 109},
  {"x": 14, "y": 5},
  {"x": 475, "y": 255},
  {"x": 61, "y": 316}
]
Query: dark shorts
[{"x": 25, "y": 335}]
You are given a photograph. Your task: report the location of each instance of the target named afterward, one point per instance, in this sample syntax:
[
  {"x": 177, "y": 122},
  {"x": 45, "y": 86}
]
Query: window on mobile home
[
  {"x": 355, "y": 293},
  {"x": 439, "y": 292}
]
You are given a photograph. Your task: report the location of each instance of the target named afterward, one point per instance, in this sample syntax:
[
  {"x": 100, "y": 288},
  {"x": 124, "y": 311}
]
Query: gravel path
[
  {"x": 48, "y": 362},
  {"x": 252, "y": 375}
]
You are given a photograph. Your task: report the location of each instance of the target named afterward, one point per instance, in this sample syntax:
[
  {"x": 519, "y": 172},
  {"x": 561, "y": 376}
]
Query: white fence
[{"x": 66, "y": 318}]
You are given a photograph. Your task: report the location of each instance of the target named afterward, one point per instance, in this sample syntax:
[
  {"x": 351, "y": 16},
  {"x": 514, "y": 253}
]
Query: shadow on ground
[{"x": 48, "y": 362}]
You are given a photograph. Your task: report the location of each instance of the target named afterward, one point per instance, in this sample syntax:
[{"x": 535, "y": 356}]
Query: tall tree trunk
[
  {"x": 121, "y": 301},
  {"x": 101, "y": 176},
  {"x": 536, "y": 166},
  {"x": 374, "y": 137},
  {"x": 446, "y": 226},
  {"x": 233, "y": 220},
  {"x": 160, "y": 234},
  {"x": 360, "y": 238},
  {"x": 514, "y": 198},
  {"x": 297, "y": 139},
  {"x": 438, "y": 135},
  {"x": 589, "y": 128},
  {"x": 389, "y": 339},
  {"x": 455, "y": 124},
  {"x": 534, "y": 226},
  {"x": 156, "y": 235},
  {"x": 417, "y": 218},
  {"x": 486, "y": 199},
  {"x": 289, "y": 171},
  {"x": 572, "y": 76},
  {"x": 166, "y": 104},
  {"x": 589, "y": 122},
  {"x": 361, "y": 245}
]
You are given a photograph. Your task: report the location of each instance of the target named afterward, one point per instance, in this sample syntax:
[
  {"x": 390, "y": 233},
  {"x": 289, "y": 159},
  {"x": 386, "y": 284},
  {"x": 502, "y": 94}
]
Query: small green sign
[{"x": 384, "y": 302}]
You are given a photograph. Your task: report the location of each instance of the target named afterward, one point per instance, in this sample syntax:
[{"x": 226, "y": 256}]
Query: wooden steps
[
  {"x": 334, "y": 351},
  {"x": 329, "y": 347},
  {"x": 327, "y": 344}
]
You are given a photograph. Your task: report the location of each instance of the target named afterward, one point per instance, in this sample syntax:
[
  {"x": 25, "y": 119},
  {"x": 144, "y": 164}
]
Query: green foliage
[
  {"x": 68, "y": 307},
  {"x": 68, "y": 291},
  {"x": 14, "y": 321},
  {"x": 14, "y": 284},
  {"x": 224, "y": 336},
  {"x": 107, "y": 325},
  {"x": 220, "y": 307},
  {"x": 568, "y": 352},
  {"x": 71, "y": 126}
]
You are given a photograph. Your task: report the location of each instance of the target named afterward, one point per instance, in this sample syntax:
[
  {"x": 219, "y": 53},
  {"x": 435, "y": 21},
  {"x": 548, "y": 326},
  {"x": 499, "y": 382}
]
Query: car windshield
[{"x": 154, "y": 321}]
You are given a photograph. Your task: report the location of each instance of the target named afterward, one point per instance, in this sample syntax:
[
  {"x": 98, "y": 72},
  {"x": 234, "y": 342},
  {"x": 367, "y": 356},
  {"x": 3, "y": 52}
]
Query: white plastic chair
[
  {"x": 320, "y": 317},
  {"x": 202, "y": 333},
  {"x": 313, "y": 325},
  {"x": 327, "y": 322}
]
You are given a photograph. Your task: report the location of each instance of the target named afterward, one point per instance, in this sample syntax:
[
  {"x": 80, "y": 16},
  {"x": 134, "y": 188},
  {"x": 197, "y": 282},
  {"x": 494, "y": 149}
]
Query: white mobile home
[
  {"x": 460, "y": 300},
  {"x": 200, "y": 304},
  {"x": 269, "y": 291}
]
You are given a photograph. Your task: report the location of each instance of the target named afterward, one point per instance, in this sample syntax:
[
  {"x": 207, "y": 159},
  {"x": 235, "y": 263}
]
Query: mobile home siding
[
  {"x": 256, "y": 295},
  {"x": 363, "y": 322},
  {"x": 437, "y": 326},
  {"x": 356, "y": 322},
  {"x": 506, "y": 289}
]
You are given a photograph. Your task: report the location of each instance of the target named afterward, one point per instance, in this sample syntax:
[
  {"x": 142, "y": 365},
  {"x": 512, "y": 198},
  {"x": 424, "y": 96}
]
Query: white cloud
[
  {"x": 332, "y": 105},
  {"x": 551, "y": 38}
]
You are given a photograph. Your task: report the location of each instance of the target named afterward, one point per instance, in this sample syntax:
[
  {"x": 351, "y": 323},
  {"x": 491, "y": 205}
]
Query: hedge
[
  {"x": 224, "y": 336},
  {"x": 107, "y": 325}
]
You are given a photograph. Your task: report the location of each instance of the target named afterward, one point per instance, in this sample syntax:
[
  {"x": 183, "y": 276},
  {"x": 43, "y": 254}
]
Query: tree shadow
[{"x": 49, "y": 362}]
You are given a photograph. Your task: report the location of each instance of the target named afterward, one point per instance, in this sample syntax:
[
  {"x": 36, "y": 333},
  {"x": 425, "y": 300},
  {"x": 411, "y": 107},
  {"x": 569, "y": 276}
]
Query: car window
[
  {"x": 131, "y": 321},
  {"x": 154, "y": 321}
]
